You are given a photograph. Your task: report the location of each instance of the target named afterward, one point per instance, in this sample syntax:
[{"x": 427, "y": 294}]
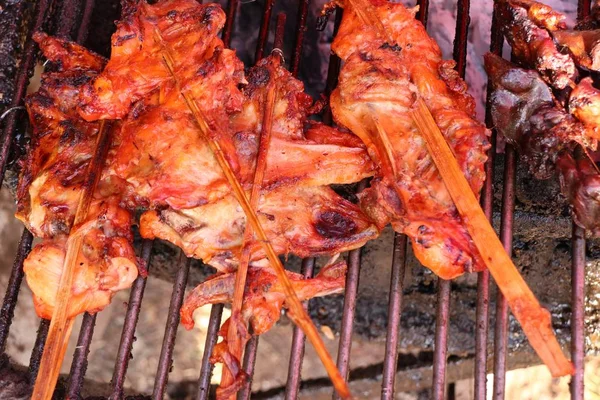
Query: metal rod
[
  {"x": 263, "y": 34},
  {"x": 460, "y": 38},
  {"x": 165, "y": 360},
  {"x": 506, "y": 236},
  {"x": 206, "y": 368},
  {"x": 227, "y": 32},
  {"x": 298, "y": 343},
  {"x": 578, "y": 312},
  {"x": 350, "y": 295},
  {"x": 394, "y": 313},
  {"x": 38, "y": 349},
  {"x": 249, "y": 364},
  {"x": 86, "y": 18},
  {"x": 131, "y": 319},
  {"x": 21, "y": 83},
  {"x": 483, "y": 277},
  {"x": 300, "y": 31},
  {"x": 441, "y": 339},
  {"x": 12, "y": 291},
  {"x": 80, "y": 362},
  {"x": 279, "y": 31}
]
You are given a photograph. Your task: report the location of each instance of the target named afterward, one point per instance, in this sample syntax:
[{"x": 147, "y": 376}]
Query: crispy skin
[
  {"x": 532, "y": 43},
  {"x": 51, "y": 184},
  {"x": 580, "y": 184},
  {"x": 106, "y": 264},
  {"x": 378, "y": 85},
  {"x": 136, "y": 67},
  {"x": 525, "y": 113}
]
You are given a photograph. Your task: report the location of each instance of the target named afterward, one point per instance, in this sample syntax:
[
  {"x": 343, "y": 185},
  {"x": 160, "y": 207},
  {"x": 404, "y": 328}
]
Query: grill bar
[
  {"x": 216, "y": 312},
  {"x": 165, "y": 361},
  {"x": 86, "y": 18},
  {"x": 80, "y": 362},
  {"x": 38, "y": 349},
  {"x": 578, "y": 312},
  {"x": 506, "y": 236},
  {"x": 22, "y": 80},
  {"x": 441, "y": 339},
  {"x": 131, "y": 319},
  {"x": 231, "y": 11},
  {"x": 263, "y": 34},
  {"x": 298, "y": 343},
  {"x": 300, "y": 31},
  {"x": 249, "y": 364},
  {"x": 487, "y": 200},
  {"x": 350, "y": 295},
  {"x": 394, "y": 314},
  {"x": 12, "y": 291},
  {"x": 578, "y": 283}
]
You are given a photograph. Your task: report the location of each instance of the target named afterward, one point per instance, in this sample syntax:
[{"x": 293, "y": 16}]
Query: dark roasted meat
[
  {"x": 378, "y": 85},
  {"x": 545, "y": 134},
  {"x": 525, "y": 27}
]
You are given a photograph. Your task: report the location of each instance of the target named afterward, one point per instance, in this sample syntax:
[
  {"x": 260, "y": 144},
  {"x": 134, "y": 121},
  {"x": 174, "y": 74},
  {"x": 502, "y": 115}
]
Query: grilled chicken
[
  {"x": 136, "y": 66},
  {"x": 300, "y": 213},
  {"x": 378, "y": 85},
  {"x": 525, "y": 28},
  {"x": 546, "y": 135},
  {"x": 51, "y": 184},
  {"x": 263, "y": 303}
]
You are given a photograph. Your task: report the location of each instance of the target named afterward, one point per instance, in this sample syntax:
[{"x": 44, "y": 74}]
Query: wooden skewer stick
[
  {"x": 295, "y": 306},
  {"x": 368, "y": 14},
  {"x": 61, "y": 324},
  {"x": 534, "y": 319},
  {"x": 233, "y": 336}
]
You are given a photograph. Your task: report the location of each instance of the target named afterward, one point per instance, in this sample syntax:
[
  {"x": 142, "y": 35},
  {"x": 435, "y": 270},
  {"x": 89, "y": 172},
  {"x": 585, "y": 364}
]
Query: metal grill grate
[{"x": 75, "y": 15}]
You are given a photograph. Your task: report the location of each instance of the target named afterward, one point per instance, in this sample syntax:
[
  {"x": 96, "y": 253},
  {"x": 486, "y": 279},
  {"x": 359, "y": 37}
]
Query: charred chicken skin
[
  {"x": 378, "y": 85},
  {"x": 51, "y": 183}
]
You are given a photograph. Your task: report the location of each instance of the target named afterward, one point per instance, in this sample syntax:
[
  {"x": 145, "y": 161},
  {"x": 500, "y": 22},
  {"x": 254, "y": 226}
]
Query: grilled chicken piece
[
  {"x": 526, "y": 33},
  {"x": 300, "y": 213},
  {"x": 51, "y": 184},
  {"x": 305, "y": 221},
  {"x": 584, "y": 46},
  {"x": 378, "y": 85},
  {"x": 263, "y": 303},
  {"x": 525, "y": 112},
  {"x": 136, "y": 66},
  {"x": 580, "y": 184},
  {"x": 106, "y": 263}
]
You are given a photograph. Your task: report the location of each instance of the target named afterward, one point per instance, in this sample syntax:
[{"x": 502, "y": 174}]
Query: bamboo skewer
[
  {"x": 295, "y": 306},
  {"x": 534, "y": 319},
  {"x": 236, "y": 346},
  {"x": 61, "y": 324}
]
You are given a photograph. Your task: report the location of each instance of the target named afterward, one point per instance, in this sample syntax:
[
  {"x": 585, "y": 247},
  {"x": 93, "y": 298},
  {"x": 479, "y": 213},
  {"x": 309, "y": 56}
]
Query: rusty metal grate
[{"x": 75, "y": 15}]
